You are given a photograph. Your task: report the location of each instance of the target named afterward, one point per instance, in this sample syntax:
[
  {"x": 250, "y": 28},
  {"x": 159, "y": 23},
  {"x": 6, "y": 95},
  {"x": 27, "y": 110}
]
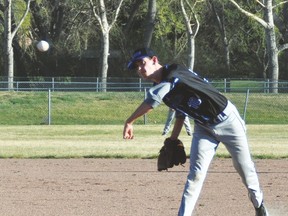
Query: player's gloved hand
[{"x": 172, "y": 153}]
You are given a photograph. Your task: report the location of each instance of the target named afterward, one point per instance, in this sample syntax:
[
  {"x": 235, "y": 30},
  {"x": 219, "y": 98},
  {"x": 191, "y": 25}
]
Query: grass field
[
  {"x": 89, "y": 125},
  {"x": 105, "y": 141},
  {"x": 98, "y": 108}
]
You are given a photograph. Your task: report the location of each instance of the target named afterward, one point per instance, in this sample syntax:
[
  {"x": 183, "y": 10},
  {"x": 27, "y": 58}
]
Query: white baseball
[{"x": 42, "y": 46}]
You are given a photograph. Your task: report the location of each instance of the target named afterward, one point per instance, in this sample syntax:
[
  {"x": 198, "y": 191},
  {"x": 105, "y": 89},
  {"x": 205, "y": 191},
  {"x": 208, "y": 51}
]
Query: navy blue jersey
[{"x": 192, "y": 95}]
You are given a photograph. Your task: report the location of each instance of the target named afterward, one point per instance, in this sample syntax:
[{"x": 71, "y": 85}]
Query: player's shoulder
[{"x": 174, "y": 70}]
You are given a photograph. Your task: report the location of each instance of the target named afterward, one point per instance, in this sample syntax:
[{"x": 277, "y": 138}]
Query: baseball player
[
  {"x": 170, "y": 117},
  {"x": 216, "y": 120}
]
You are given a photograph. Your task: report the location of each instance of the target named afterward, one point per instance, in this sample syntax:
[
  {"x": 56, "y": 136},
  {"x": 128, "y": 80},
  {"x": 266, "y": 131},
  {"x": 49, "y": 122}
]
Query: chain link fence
[
  {"x": 91, "y": 107},
  {"x": 131, "y": 84},
  {"x": 68, "y": 101},
  {"x": 75, "y": 84}
]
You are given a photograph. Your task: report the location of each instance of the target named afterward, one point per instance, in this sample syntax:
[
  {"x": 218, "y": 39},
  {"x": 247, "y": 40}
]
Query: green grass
[
  {"x": 241, "y": 85},
  {"x": 105, "y": 141},
  {"x": 89, "y": 125},
  {"x": 98, "y": 108}
]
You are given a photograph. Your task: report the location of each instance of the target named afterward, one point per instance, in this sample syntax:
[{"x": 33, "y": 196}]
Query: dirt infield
[{"x": 130, "y": 187}]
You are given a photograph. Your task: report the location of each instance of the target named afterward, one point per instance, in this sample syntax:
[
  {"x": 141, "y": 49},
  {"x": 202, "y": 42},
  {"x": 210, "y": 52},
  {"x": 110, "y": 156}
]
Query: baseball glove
[{"x": 172, "y": 153}]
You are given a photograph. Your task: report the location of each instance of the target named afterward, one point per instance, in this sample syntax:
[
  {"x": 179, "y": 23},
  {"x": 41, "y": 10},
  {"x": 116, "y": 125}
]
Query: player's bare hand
[{"x": 128, "y": 131}]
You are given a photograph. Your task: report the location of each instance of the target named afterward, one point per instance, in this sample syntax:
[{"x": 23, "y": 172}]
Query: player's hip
[{"x": 231, "y": 124}]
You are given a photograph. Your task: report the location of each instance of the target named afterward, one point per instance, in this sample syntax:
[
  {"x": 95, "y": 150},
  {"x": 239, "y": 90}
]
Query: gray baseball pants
[{"x": 232, "y": 133}]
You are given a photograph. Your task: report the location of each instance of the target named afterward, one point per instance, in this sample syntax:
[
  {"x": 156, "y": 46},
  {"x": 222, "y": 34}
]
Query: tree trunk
[
  {"x": 8, "y": 40},
  {"x": 104, "y": 61},
  {"x": 8, "y": 49},
  {"x": 273, "y": 66},
  {"x": 150, "y": 22},
  {"x": 105, "y": 29},
  {"x": 190, "y": 34},
  {"x": 132, "y": 14},
  {"x": 271, "y": 45},
  {"x": 191, "y": 52},
  {"x": 222, "y": 28}
]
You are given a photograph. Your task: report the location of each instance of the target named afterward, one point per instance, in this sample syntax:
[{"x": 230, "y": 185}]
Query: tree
[
  {"x": 68, "y": 26},
  {"x": 220, "y": 17},
  {"x": 271, "y": 41},
  {"x": 191, "y": 30},
  {"x": 281, "y": 21},
  {"x": 132, "y": 13},
  {"x": 150, "y": 22},
  {"x": 9, "y": 35},
  {"x": 169, "y": 33},
  {"x": 100, "y": 13}
]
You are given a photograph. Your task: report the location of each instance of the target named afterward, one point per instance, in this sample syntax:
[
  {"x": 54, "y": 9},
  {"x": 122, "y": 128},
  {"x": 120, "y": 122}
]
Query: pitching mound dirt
[{"x": 124, "y": 187}]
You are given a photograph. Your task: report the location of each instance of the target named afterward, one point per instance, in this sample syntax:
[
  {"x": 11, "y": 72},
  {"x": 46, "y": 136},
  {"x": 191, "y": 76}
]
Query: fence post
[
  {"x": 49, "y": 106},
  {"x": 145, "y": 115},
  {"x": 246, "y": 104},
  {"x": 140, "y": 84},
  {"x": 53, "y": 84},
  {"x": 267, "y": 86}
]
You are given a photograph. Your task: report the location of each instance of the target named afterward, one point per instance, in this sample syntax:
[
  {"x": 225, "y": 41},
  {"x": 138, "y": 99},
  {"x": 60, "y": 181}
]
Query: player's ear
[{"x": 154, "y": 59}]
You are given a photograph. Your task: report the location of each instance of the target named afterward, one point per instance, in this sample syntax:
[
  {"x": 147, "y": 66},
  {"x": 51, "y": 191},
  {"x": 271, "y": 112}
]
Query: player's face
[{"x": 145, "y": 67}]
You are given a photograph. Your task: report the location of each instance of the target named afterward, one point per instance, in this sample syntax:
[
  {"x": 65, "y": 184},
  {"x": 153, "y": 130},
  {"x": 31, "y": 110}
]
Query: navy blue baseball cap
[{"x": 138, "y": 55}]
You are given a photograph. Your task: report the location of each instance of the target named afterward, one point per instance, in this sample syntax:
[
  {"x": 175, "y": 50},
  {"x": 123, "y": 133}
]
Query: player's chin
[
  {"x": 141, "y": 76},
  {"x": 145, "y": 77}
]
